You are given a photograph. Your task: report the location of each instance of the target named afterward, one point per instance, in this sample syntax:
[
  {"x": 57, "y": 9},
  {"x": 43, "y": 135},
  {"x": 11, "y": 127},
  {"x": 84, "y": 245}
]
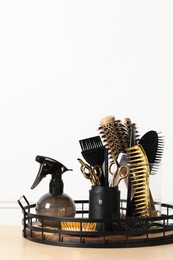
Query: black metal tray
[{"x": 83, "y": 231}]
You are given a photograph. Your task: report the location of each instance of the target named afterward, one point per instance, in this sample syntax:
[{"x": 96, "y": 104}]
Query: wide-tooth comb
[
  {"x": 139, "y": 180},
  {"x": 153, "y": 144}
]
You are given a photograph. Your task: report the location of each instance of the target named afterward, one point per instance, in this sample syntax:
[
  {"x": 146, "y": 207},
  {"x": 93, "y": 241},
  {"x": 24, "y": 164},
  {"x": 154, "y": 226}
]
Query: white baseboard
[
  {"x": 10, "y": 213},
  {"x": 9, "y": 205}
]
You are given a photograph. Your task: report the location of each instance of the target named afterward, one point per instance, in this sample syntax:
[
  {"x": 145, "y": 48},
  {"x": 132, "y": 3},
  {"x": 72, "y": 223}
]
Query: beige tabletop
[{"x": 14, "y": 247}]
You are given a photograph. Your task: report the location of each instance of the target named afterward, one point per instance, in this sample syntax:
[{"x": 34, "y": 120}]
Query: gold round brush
[
  {"x": 115, "y": 136},
  {"x": 78, "y": 226},
  {"x": 124, "y": 133}
]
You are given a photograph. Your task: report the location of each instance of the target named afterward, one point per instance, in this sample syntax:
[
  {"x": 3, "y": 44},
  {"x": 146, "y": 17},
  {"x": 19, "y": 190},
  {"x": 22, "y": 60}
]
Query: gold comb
[{"x": 139, "y": 179}]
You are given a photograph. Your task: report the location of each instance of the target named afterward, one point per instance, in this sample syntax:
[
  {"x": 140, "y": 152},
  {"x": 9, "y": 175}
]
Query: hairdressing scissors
[
  {"x": 119, "y": 173},
  {"x": 91, "y": 173}
]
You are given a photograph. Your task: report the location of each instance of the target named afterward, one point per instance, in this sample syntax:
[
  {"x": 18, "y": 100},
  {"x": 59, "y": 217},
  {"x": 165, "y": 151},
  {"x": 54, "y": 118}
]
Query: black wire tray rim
[
  {"x": 125, "y": 232},
  {"x": 148, "y": 230},
  {"x": 121, "y": 245},
  {"x": 83, "y": 219}
]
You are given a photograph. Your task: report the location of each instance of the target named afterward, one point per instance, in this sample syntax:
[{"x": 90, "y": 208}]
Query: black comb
[
  {"x": 93, "y": 152},
  {"x": 90, "y": 143}
]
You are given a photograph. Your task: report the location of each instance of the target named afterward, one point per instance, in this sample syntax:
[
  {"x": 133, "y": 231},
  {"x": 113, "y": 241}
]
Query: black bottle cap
[{"x": 56, "y": 188}]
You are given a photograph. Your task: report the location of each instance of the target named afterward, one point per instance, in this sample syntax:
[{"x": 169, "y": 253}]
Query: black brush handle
[
  {"x": 106, "y": 169},
  {"x": 130, "y": 202}
]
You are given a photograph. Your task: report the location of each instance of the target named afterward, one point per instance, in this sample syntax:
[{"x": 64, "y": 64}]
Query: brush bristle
[
  {"x": 158, "y": 156},
  {"x": 78, "y": 226}
]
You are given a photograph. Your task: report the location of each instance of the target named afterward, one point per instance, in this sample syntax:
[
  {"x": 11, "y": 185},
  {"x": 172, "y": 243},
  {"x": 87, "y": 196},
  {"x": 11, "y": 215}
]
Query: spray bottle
[{"x": 55, "y": 203}]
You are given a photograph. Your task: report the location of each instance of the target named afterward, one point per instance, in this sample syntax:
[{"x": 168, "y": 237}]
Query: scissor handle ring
[
  {"x": 121, "y": 173},
  {"x": 88, "y": 175},
  {"x": 83, "y": 167},
  {"x": 98, "y": 170},
  {"x": 110, "y": 167}
]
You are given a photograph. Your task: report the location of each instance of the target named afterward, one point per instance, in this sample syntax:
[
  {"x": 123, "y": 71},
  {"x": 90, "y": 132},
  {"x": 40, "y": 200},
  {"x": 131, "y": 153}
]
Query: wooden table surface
[{"x": 14, "y": 247}]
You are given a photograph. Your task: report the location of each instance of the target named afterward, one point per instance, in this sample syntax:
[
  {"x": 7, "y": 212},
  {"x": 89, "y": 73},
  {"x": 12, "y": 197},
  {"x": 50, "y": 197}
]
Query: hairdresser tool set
[{"x": 116, "y": 158}]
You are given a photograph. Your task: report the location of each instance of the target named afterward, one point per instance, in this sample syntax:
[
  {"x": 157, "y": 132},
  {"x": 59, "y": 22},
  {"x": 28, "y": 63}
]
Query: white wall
[{"x": 66, "y": 64}]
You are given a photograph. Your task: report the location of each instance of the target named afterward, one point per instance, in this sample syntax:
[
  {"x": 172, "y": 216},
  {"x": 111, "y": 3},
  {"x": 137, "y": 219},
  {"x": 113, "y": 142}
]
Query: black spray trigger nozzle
[
  {"x": 47, "y": 161},
  {"x": 41, "y": 174},
  {"x": 52, "y": 167},
  {"x": 64, "y": 169}
]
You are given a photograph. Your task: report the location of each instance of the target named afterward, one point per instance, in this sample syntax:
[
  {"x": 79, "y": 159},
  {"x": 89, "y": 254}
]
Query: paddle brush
[{"x": 153, "y": 145}]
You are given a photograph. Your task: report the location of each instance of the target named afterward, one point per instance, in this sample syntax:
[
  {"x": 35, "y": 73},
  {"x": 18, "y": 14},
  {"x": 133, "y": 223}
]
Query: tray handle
[{"x": 20, "y": 203}]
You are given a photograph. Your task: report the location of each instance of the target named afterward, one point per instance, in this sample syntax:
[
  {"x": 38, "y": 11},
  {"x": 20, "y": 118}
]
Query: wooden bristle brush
[
  {"x": 77, "y": 226},
  {"x": 139, "y": 180}
]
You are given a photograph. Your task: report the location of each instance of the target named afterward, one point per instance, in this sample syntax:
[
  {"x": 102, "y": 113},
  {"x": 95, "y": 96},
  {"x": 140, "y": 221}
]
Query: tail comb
[
  {"x": 93, "y": 152},
  {"x": 91, "y": 143}
]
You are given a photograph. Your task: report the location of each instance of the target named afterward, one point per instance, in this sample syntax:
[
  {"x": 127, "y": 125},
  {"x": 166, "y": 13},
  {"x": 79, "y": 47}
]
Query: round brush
[{"x": 116, "y": 134}]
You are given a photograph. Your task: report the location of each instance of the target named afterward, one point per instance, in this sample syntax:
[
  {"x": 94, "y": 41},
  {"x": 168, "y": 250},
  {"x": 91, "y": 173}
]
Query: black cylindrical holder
[{"x": 104, "y": 203}]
